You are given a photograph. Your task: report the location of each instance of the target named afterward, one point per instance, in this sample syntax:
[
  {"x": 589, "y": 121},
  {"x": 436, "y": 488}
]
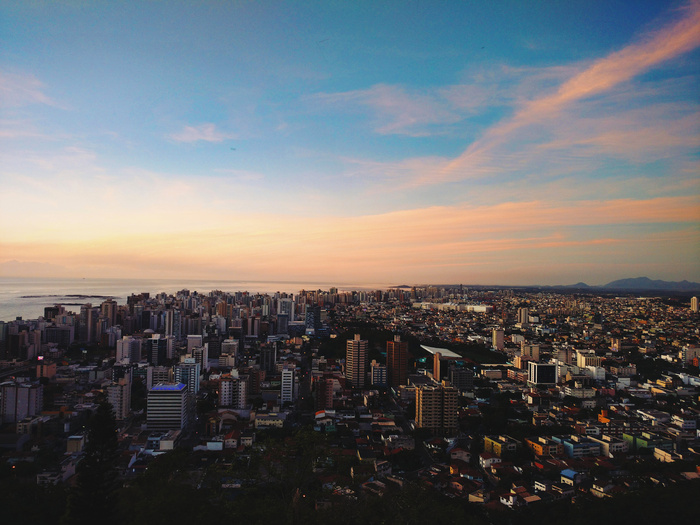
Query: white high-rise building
[
  {"x": 233, "y": 392},
  {"x": 129, "y": 349},
  {"x": 119, "y": 396},
  {"x": 288, "y": 390},
  {"x": 188, "y": 373}
]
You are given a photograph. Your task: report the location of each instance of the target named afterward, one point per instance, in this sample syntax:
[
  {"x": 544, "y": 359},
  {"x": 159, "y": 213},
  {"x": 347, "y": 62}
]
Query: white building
[
  {"x": 119, "y": 396},
  {"x": 289, "y": 386}
]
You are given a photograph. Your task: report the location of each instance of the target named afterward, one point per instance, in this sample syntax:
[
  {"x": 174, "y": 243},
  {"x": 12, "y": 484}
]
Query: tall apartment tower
[
  {"x": 108, "y": 309},
  {"x": 201, "y": 355},
  {"x": 356, "y": 361},
  {"x": 436, "y": 409},
  {"x": 129, "y": 349},
  {"x": 497, "y": 339},
  {"x": 523, "y": 316},
  {"x": 19, "y": 400},
  {"x": 288, "y": 390},
  {"x": 188, "y": 373},
  {"x": 156, "y": 349},
  {"x": 397, "y": 362},
  {"x": 173, "y": 323},
  {"x": 378, "y": 374},
  {"x": 694, "y": 304},
  {"x": 119, "y": 396},
  {"x": 233, "y": 392}
]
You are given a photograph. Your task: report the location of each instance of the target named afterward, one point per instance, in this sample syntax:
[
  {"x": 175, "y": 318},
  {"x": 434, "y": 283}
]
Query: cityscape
[
  {"x": 382, "y": 262},
  {"x": 463, "y": 403}
]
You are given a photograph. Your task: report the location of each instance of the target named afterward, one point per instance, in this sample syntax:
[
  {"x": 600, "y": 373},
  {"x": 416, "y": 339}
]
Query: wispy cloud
[
  {"x": 396, "y": 111},
  {"x": 406, "y": 244},
  {"x": 598, "y": 78},
  {"x": 17, "y": 90},
  {"x": 207, "y": 132}
]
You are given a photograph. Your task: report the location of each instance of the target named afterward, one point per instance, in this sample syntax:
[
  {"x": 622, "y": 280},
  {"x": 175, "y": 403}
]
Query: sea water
[{"x": 27, "y": 297}]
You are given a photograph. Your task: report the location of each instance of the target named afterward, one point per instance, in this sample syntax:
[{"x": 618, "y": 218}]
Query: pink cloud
[
  {"x": 204, "y": 132},
  {"x": 410, "y": 244},
  {"x": 398, "y": 111},
  {"x": 600, "y": 77},
  {"x": 18, "y": 90}
]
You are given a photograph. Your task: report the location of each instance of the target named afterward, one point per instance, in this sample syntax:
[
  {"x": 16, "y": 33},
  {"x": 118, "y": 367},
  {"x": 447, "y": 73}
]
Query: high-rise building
[
  {"x": 108, "y": 309},
  {"x": 173, "y": 323},
  {"x": 268, "y": 357},
  {"x": 288, "y": 387},
  {"x": 88, "y": 323},
  {"x": 119, "y": 396},
  {"x": 397, "y": 362},
  {"x": 230, "y": 347},
  {"x": 19, "y": 400},
  {"x": 497, "y": 339},
  {"x": 188, "y": 373},
  {"x": 523, "y": 316},
  {"x": 156, "y": 349},
  {"x": 160, "y": 374},
  {"x": 285, "y": 306},
  {"x": 129, "y": 349},
  {"x": 201, "y": 356},
  {"x": 193, "y": 341},
  {"x": 356, "y": 361},
  {"x": 170, "y": 406},
  {"x": 282, "y": 324},
  {"x": 233, "y": 392},
  {"x": 436, "y": 408},
  {"x": 378, "y": 373},
  {"x": 324, "y": 392},
  {"x": 694, "y": 304}
]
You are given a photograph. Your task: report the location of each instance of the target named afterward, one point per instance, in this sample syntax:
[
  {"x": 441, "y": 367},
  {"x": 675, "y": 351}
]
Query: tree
[{"x": 93, "y": 499}]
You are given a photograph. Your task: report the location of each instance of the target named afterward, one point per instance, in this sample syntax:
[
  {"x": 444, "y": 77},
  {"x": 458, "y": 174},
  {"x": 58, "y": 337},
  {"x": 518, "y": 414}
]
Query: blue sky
[{"x": 483, "y": 142}]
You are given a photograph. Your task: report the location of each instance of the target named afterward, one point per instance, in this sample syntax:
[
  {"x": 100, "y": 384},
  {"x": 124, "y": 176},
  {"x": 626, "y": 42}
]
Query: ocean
[{"x": 27, "y": 297}]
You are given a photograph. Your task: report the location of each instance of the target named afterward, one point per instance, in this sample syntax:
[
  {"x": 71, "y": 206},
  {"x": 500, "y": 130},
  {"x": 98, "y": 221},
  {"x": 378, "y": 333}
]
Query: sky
[{"x": 407, "y": 142}]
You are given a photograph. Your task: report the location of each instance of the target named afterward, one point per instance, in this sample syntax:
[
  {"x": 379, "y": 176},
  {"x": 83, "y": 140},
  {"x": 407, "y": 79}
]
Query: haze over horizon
[{"x": 498, "y": 143}]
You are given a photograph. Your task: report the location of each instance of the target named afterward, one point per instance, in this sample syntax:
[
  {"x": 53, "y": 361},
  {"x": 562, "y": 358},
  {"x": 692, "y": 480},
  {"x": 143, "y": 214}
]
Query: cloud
[
  {"x": 597, "y": 78},
  {"x": 21, "y": 129},
  {"x": 204, "y": 132},
  {"x": 398, "y": 111},
  {"x": 17, "y": 90},
  {"x": 404, "y": 245}
]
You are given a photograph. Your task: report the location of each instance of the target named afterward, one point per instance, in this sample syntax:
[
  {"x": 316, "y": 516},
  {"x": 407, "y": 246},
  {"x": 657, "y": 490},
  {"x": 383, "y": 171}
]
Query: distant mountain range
[{"x": 644, "y": 284}]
